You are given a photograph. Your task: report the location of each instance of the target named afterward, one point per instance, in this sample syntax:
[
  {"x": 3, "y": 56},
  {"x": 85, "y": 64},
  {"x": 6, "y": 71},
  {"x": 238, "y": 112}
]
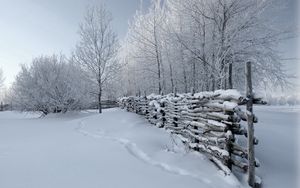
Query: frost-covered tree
[
  {"x": 50, "y": 84},
  {"x": 203, "y": 45},
  {"x": 145, "y": 36},
  {"x": 97, "y": 49}
]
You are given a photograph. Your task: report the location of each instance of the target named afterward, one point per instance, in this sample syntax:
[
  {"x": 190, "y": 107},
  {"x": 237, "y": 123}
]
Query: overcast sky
[{"x": 29, "y": 28}]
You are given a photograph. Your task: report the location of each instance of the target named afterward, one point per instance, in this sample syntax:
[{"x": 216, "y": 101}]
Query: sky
[{"x": 30, "y": 28}]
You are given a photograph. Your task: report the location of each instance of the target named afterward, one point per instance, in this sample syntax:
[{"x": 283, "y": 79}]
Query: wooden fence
[
  {"x": 104, "y": 104},
  {"x": 109, "y": 104},
  {"x": 208, "y": 122}
]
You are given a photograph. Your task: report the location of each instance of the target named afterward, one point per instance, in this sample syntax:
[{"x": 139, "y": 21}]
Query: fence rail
[{"x": 208, "y": 122}]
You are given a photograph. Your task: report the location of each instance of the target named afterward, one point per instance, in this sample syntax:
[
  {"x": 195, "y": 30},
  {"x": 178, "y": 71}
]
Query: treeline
[
  {"x": 173, "y": 45},
  {"x": 202, "y": 45}
]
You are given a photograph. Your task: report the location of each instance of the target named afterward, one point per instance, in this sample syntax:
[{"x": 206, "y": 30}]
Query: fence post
[
  {"x": 175, "y": 91},
  {"x": 250, "y": 117},
  {"x": 193, "y": 91}
]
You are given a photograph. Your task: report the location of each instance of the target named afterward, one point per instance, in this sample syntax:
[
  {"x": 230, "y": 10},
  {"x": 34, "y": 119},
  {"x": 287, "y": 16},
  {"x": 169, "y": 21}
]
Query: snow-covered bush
[
  {"x": 51, "y": 84},
  {"x": 282, "y": 101}
]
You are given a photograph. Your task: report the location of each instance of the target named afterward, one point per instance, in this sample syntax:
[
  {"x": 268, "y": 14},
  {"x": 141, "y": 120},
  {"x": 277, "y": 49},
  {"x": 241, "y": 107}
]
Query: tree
[
  {"x": 202, "y": 45},
  {"x": 146, "y": 36},
  {"x": 96, "y": 51},
  {"x": 225, "y": 34},
  {"x": 50, "y": 85}
]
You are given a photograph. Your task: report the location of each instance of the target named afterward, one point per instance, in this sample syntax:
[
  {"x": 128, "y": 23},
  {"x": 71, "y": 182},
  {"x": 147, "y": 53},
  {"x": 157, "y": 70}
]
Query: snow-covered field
[
  {"x": 278, "y": 149},
  {"x": 120, "y": 149}
]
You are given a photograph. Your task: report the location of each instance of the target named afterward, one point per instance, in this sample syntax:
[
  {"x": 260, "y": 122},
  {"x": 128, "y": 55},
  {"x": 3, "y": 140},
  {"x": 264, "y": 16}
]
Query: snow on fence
[{"x": 208, "y": 122}]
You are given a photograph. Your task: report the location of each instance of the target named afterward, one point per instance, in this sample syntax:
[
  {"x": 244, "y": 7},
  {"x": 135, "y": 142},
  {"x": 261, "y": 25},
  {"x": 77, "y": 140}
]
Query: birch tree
[
  {"x": 225, "y": 33},
  {"x": 145, "y": 33},
  {"x": 203, "y": 45},
  {"x": 97, "y": 48}
]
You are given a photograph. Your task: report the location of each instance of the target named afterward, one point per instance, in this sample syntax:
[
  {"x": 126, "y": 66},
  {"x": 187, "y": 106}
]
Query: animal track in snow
[{"x": 138, "y": 153}]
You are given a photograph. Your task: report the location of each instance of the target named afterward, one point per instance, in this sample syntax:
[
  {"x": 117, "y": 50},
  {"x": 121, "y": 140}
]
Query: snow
[
  {"x": 229, "y": 105},
  {"x": 121, "y": 149},
  {"x": 87, "y": 150},
  {"x": 18, "y": 115},
  {"x": 229, "y": 93},
  {"x": 278, "y": 131},
  {"x": 216, "y": 123}
]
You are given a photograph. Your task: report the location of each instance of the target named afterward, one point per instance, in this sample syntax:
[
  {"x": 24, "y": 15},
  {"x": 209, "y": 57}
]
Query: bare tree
[
  {"x": 203, "y": 45},
  {"x": 97, "y": 48},
  {"x": 145, "y": 33}
]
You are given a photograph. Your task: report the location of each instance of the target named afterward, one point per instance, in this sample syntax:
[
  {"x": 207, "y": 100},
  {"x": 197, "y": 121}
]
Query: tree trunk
[
  {"x": 99, "y": 99},
  {"x": 159, "y": 76},
  {"x": 230, "y": 84},
  {"x": 157, "y": 58},
  {"x": 225, "y": 78},
  {"x": 100, "y": 90},
  {"x": 194, "y": 74},
  {"x": 207, "y": 77},
  {"x": 213, "y": 82},
  {"x": 171, "y": 76},
  {"x": 185, "y": 80}
]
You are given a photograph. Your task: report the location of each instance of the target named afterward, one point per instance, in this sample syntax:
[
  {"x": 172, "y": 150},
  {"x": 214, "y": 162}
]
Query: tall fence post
[{"x": 250, "y": 117}]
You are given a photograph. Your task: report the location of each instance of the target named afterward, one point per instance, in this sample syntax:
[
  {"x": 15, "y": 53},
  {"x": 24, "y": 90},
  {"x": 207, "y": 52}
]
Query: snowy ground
[
  {"x": 120, "y": 149},
  {"x": 86, "y": 150},
  {"x": 278, "y": 148}
]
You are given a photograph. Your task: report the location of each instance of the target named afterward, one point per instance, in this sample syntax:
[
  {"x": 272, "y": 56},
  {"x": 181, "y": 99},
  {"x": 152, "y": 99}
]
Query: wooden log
[
  {"x": 214, "y": 150},
  {"x": 218, "y": 116},
  {"x": 208, "y": 116},
  {"x": 207, "y": 140},
  {"x": 225, "y": 106},
  {"x": 240, "y": 131},
  {"x": 259, "y": 101},
  {"x": 240, "y": 154},
  {"x": 207, "y": 126},
  {"x": 232, "y": 98},
  {"x": 220, "y": 165},
  {"x": 241, "y": 165},
  {"x": 238, "y": 148},
  {"x": 244, "y": 116},
  {"x": 205, "y": 133},
  {"x": 174, "y": 128},
  {"x": 203, "y": 110},
  {"x": 254, "y": 100},
  {"x": 250, "y": 118}
]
